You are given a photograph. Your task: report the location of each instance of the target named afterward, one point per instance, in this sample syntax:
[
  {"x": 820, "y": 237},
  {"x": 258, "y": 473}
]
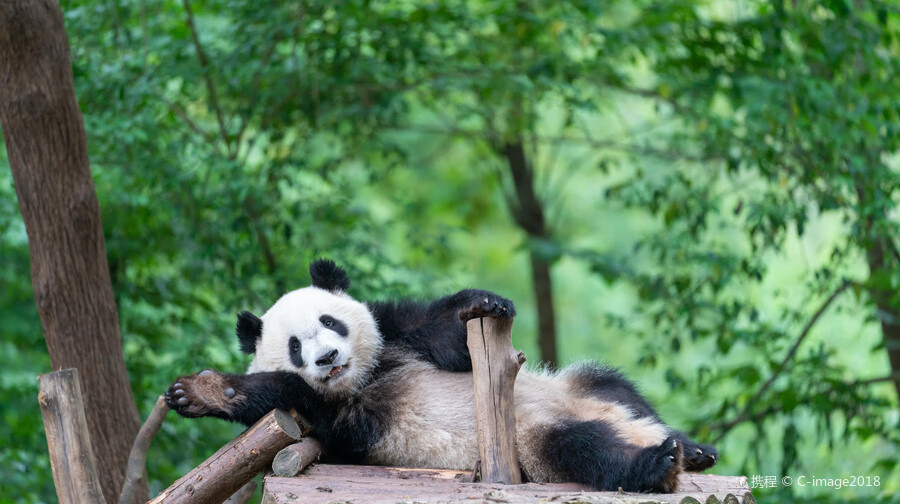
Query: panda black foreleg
[
  {"x": 437, "y": 329},
  {"x": 347, "y": 430},
  {"x": 591, "y": 453},
  {"x": 241, "y": 398}
]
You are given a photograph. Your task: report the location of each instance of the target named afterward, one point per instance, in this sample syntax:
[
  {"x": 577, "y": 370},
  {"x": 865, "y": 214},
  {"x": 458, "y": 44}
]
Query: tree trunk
[
  {"x": 528, "y": 212},
  {"x": 543, "y": 292},
  {"x": 889, "y": 315},
  {"x": 876, "y": 250},
  {"x": 47, "y": 147}
]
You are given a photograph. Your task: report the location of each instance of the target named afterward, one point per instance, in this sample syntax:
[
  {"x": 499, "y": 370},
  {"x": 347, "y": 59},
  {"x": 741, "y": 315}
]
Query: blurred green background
[{"x": 709, "y": 175}]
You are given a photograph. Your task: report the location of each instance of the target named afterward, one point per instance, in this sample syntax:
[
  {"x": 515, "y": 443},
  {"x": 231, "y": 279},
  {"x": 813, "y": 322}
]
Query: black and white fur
[{"x": 390, "y": 383}]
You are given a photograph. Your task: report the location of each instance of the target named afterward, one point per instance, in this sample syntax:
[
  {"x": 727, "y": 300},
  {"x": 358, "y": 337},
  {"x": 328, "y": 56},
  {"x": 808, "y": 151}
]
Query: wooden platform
[{"x": 326, "y": 483}]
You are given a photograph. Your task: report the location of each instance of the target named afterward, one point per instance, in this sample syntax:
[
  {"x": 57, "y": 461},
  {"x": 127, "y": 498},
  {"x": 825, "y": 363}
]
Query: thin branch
[
  {"x": 746, "y": 414},
  {"x": 725, "y": 427},
  {"x": 271, "y": 263},
  {"x": 869, "y": 381},
  {"x": 803, "y": 334},
  {"x": 615, "y": 144},
  {"x": 180, "y": 112},
  {"x": 207, "y": 76},
  {"x": 138, "y": 457},
  {"x": 267, "y": 57}
]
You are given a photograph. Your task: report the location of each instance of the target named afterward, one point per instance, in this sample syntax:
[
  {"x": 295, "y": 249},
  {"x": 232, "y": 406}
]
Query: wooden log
[
  {"x": 294, "y": 458},
  {"x": 495, "y": 365},
  {"x": 235, "y": 464},
  {"x": 135, "y": 474},
  {"x": 71, "y": 456}
]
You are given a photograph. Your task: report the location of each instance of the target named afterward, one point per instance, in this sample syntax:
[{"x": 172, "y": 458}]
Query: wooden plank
[
  {"x": 71, "y": 456},
  {"x": 236, "y": 463},
  {"x": 495, "y": 365},
  {"x": 324, "y": 483},
  {"x": 406, "y": 473}
]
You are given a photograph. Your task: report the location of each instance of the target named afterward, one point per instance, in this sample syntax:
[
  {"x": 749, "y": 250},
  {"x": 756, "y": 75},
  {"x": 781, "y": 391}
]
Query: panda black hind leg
[
  {"x": 697, "y": 456},
  {"x": 608, "y": 384},
  {"x": 591, "y": 453}
]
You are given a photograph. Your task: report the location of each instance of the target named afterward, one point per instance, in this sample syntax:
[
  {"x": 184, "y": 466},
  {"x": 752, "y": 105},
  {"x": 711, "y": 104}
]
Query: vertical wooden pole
[
  {"x": 68, "y": 440},
  {"x": 495, "y": 365}
]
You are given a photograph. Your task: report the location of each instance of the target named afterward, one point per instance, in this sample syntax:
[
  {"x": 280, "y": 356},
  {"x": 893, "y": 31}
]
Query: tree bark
[
  {"x": 528, "y": 212},
  {"x": 47, "y": 147}
]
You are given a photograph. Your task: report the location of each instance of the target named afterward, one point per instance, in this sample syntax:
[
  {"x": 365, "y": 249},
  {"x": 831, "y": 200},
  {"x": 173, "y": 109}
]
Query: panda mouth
[{"x": 337, "y": 371}]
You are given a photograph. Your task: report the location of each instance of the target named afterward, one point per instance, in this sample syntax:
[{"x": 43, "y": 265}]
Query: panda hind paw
[{"x": 699, "y": 457}]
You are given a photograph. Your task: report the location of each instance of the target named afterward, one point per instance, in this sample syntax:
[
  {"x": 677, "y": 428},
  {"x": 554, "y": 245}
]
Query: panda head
[{"x": 319, "y": 332}]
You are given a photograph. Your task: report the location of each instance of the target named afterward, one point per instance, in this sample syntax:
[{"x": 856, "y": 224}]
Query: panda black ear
[
  {"x": 249, "y": 330},
  {"x": 327, "y": 275}
]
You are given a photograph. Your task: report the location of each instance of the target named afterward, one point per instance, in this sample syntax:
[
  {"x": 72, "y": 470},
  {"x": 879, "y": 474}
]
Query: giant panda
[{"x": 390, "y": 383}]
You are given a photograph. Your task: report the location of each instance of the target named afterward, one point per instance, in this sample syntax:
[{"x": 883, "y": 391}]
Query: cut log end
[
  {"x": 288, "y": 424},
  {"x": 294, "y": 458}
]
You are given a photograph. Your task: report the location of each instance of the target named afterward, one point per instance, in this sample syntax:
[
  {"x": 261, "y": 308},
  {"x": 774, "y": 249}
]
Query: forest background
[{"x": 702, "y": 193}]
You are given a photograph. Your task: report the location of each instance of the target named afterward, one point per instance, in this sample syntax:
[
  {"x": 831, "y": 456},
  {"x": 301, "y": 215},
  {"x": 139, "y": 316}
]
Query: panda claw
[
  {"x": 178, "y": 392},
  {"x": 183, "y": 400},
  {"x": 205, "y": 372},
  {"x": 229, "y": 392},
  {"x": 485, "y": 304},
  {"x": 177, "y": 385},
  {"x": 701, "y": 457}
]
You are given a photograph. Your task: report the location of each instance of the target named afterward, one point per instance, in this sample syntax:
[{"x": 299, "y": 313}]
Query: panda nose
[{"x": 327, "y": 359}]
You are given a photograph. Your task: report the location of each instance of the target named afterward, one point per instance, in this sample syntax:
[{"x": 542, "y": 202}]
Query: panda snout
[{"x": 327, "y": 359}]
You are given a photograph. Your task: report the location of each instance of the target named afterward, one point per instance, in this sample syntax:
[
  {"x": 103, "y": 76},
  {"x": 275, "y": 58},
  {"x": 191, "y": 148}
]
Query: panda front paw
[
  {"x": 206, "y": 393},
  {"x": 486, "y": 304}
]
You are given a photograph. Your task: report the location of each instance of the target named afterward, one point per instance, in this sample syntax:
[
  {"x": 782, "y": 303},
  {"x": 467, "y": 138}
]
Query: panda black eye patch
[
  {"x": 294, "y": 351},
  {"x": 334, "y": 324}
]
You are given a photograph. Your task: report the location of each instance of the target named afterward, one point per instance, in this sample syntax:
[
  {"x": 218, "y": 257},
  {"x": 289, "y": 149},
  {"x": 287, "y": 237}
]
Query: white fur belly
[
  {"x": 432, "y": 423},
  {"x": 432, "y": 420}
]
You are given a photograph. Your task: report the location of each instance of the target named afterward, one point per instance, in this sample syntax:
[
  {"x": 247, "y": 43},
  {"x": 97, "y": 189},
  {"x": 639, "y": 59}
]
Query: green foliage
[{"x": 712, "y": 172}]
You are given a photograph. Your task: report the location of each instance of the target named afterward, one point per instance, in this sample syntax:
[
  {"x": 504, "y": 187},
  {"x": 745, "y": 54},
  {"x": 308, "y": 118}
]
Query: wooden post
[
  {"x": 495, "y": 365},
  {"x": 236, "y": 463},
  {"x": 68, "y": 440}
]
